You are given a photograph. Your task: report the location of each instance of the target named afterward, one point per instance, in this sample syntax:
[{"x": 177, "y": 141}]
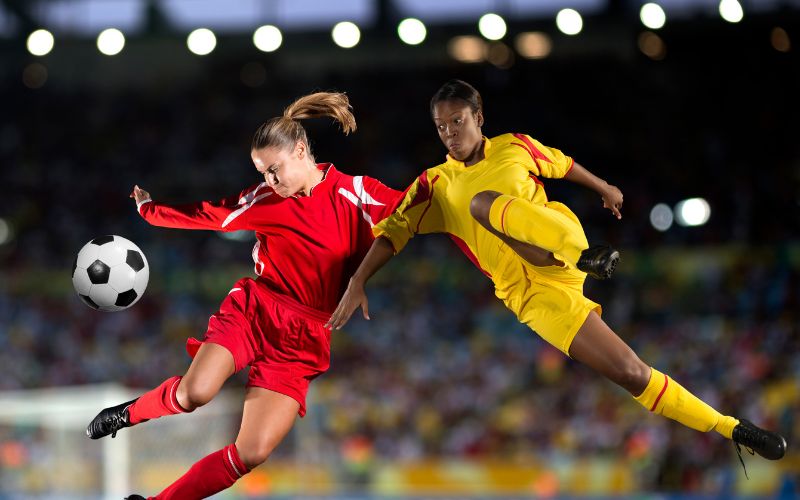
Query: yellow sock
[
  {"x": 668, "y": 398},
  {"x": 538, "y": 225}
]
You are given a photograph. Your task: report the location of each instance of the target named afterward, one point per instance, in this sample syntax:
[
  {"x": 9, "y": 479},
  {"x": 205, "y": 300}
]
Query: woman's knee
[
  {"x": 196, "y": 392},
  {"x": 480, "y": 205},
  {"x": 253, "y": 454}
]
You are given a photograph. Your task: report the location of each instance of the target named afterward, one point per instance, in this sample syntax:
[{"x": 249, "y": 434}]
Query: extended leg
[{"x": 598, "y": 347}]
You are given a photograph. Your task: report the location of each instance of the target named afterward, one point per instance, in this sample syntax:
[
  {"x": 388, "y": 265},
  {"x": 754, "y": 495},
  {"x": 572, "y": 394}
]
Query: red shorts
[{"x": 284, "y": 342}]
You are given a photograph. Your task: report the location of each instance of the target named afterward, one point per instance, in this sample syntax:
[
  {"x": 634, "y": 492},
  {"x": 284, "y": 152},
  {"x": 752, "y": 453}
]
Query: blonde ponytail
[
  {"x": 333, "y": 104},
  {"x": 285, "y": 131}
]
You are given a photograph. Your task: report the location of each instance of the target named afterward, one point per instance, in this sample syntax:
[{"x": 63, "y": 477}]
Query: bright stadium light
[
  {"x": 692, "y": 212},
  {"x": 731, "y": 11},
  {"x": 492, "y": 26},
  {"x": 569, "y": 21},
  {"x": 653, "y": 16},
  {"x": 267, "y": 38},
  {"x": 40, "y": 42},
  {"x": 661, "y": 217},
  {"x": 201, "y": 41},
  {"x": 110, "y": 41},
  {"x": 346, "y": 34},
  {"x": 412, "y": 31},
  {"x": 467, "y": 49},
  {"x": 533, "y": 45}
]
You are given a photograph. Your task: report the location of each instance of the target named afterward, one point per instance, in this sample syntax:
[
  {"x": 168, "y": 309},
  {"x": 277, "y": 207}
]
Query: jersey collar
[{"x": 328, "y": 169}]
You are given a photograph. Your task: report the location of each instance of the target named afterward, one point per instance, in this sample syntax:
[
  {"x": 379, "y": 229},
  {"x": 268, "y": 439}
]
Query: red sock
[
  {"x": 163, "y": 400},
  {"x": 210, "y": 475}
]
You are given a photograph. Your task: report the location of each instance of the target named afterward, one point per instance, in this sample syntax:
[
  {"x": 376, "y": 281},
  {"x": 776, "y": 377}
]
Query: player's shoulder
[
  {"x": 254, "y": 193},
  {"x": 510, "y": 137}
]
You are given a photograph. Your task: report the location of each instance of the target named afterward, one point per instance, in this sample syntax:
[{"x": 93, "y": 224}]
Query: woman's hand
[
  {"x": 353, "y": 297},
  {"x": 140, "y": 195},
  {"x": 612, "y": 199}
]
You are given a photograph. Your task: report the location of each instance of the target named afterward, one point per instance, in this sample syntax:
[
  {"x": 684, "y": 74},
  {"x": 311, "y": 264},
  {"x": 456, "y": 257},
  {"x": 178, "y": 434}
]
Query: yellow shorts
[{"x": 548, "y": 299}]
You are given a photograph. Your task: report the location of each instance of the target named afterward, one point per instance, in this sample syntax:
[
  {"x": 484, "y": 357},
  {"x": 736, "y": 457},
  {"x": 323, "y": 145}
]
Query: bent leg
[
  {"x": 210, "y": 368},
  {"x": 534, "y": 224},
  {"x": 479, "y": 209},
  {"x": 598, "y": 347}
]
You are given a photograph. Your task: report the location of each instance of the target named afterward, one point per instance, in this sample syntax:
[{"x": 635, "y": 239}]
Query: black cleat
[
  {"x": 109, "y": 421},
  {"x": 769, "y": 445},
  {"x": 135, "y": 497},
  {"x": 599, "y": 261}
]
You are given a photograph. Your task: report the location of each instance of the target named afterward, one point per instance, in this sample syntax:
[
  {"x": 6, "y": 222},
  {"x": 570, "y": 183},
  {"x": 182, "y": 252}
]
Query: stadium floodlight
[
  {"x": 533, "y": 45},
  {"x": 110, "y": 41},
  {"x": 40, "y": 42},
  {"x": 201, "y": 41},
  {"x": 467, "y": 49},
  {"x": 492, "y": 26},
  {"x": 346, "y": 34},
  {"x": 780, "y": 40},
  {"x": 653, "y": 16},
  {"x": 569, "y": 21},
  {"x": 661, "y": 217},
  {"x": 412, "y": 31},
  {"x": 267, "y": 38},
  {"x": 692, "y": 212},
  {"x": 652, "y": 46},
  {"x": 731, "y": 11}
]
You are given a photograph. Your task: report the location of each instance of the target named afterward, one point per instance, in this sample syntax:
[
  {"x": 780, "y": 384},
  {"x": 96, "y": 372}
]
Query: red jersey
[{"x": 307, "y": 247}]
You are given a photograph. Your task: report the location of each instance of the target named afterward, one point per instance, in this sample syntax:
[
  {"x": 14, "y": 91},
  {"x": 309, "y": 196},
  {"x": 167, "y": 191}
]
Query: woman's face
[
  {"x": 287, "y": 171},
  {"x": 458, "y": 127}
]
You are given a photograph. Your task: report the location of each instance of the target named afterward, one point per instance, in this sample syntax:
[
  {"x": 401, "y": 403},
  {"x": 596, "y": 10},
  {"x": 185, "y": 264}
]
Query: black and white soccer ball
[{"x": 110, "y": 273}]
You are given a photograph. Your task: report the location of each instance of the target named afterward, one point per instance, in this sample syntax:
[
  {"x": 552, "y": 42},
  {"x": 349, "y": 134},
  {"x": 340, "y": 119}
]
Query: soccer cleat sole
[{"x": 609, "y": 269}]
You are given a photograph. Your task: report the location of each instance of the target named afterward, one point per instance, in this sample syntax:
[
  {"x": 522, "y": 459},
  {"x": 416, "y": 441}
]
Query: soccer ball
[{"x": 110, "y": 273}]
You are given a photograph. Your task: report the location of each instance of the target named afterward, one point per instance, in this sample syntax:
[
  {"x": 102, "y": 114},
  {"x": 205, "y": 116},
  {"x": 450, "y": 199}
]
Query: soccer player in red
[
  {"x": 313, "y": 226},
  {"x": 487, "y": 195}
]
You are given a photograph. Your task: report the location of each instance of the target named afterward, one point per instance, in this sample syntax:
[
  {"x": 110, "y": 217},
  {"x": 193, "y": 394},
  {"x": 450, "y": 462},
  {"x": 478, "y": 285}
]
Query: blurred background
[{"x": 689, "y": 106}]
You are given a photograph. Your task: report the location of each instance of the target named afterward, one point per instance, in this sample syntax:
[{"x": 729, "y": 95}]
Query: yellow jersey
[{"x": 438, "y": 201}]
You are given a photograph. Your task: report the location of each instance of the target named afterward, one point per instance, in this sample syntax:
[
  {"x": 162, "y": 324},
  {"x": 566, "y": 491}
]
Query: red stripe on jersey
[
  {"x": 430, "y": 202},
  {"x": 663, "y": 389},
  {"x": 471, "y": 256},
  {"x": 538, "y": 183},
  {"x": 503, "y": 218},
  {"x": 423, "y": 192},
  {"x": 531, "y": 149}
]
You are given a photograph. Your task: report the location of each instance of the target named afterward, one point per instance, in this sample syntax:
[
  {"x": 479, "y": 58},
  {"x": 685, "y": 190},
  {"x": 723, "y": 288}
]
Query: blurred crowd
[{"x": 442, "y": 370}]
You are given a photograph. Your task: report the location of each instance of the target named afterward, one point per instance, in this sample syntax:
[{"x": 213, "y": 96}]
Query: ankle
[{"x": 725, "y": 426}]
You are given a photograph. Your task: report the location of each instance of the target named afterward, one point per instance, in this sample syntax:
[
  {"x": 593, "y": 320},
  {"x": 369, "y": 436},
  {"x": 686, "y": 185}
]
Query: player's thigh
[
  {"x": 211, "y": 367},
  {"x": 267, "y": 417},
  {"x": 598, "y": 347}
]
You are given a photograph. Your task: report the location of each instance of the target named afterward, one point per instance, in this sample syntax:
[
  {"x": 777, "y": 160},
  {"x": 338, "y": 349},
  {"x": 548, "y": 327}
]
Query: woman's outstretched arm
[{"x": 379, "y": 254}]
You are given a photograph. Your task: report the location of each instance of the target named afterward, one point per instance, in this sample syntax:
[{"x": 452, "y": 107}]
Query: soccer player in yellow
[{"x": 488, "y": 197}]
